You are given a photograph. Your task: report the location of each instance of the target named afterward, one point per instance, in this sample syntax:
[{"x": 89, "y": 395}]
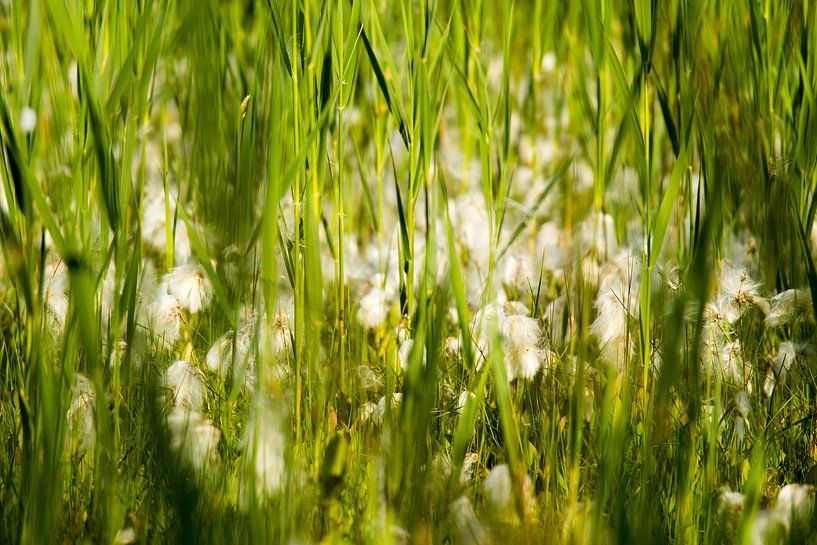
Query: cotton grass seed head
[
  {"x": 184, "y": 385},
  {"x": 264, "y": 448},
  {"x": 498, "y": 490},
  {"x": 789, "y": 307},
  {"x": 374, "y": 308},
  {"x": 190, "y": 286},
  {"x": 521, "y": 338},
  {"x": 193, "y": 437},
  {"x": 737, "y": 291},
  {"x": 165, "y": 319},
  {"x": 81, "y": 415}
]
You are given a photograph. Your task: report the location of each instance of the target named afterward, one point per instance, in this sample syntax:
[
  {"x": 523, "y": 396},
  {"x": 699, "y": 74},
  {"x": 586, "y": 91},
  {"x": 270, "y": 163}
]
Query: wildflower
[
  {"x": 597, "y": 234},
  {"x": 190, "y": 286},
  {"x": 743, "y": 408},
  {"x": 185, "y": 385},
  {"x": 549, "y": 248},
  {"x": 518, "y": 276},
  {"x": 55, "y": 294},
  {"x": 469, "y": 528},
  {"x": 732, "y": 367},
  {"x": 498, "y": 489},
  {"x": 795, "y": 504},
  {"x": 615, "y": 303},
  {"x": 485, "y": 322},
  {"x": 766, "y": 528},
  {"x": 737, "y": 292},
  {"x": 279, "y": 324},
  {"x": 789, "y": 307},
  {"x": 367, "y": 377},
  {"x": 81, "y": 415},
  {"x": 193, "y": 437},
  {"x": 404, "y": 354},
  {"x": 232, "y": 356},
  {"x": 264, "y": 447},
  {"x": 165, "y": 319},
  {"x": 788, "y": 354},
  {"x": 521, "y": 336},
  {"x": 380, "y": 409},
  {"x": 366, "y": 412},
  {"x": 462, "y": 398},
  {"x": 374, "y": 308},
  {"x": 154, "y": 221},
  {"x": 469, "y": 219},
  {"x": 452, "y": 347},
  {"x": 730, "y": 504},
  {"x": 28, "y": 120},
  {"x": 548, "y": 62},
  {"x": 125, "y": 536}
]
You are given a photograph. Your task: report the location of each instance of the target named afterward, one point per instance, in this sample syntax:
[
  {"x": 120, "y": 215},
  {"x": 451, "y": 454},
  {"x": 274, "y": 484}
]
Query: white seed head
[
  {"x": 498, "y": 490},
  {"x": 795, "y": 504},
  {"x": 165, "y": 319},
  {"x": 28, "y": 120},
  {"x": 264, "y": 446},
  {"x": 185, "y": 386},
  {"x": 190, "y": 286},
  {"x": 469, "y": 528},
  {"x": 374, "y": 308},
  {"x": 737, "y": 292},
  {"x": 81, "y": 415},
  {"x": 789, "y": 307},
  {"x": 193, "y": 437}
]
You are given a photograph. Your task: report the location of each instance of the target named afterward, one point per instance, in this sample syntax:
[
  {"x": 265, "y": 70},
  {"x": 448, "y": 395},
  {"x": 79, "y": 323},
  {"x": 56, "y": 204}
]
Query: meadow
[{"x": 410, "y": 271}]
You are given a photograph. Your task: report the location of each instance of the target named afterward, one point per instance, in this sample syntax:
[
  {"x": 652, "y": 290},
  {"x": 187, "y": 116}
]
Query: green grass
[{"x": 333, "y": 178}]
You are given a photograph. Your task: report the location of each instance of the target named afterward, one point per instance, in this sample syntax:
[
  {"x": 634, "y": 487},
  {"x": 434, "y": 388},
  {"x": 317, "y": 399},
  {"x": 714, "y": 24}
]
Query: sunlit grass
[{"x": 433, "y": 272}]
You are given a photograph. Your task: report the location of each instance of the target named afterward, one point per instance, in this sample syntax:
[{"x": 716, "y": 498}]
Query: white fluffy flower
[
  {"x": 788, "y": 355},
  {"x": 165, "y": 319},
  {"x": 279, "y": 326},
  {"x": 498, "y": 490},
  {"x": 193, "y": 437},
  {"x": 742, "y": 407},
  {"x": 484, "y": 324},
  {"x": 374, "y": 308},
  {"x": 737, "y": 292},
  {"x": 154, "y": 221},
  {"x": 615, "y": 304},
  {"x": 185, "y": 386},
  {"x": 470, "y": 222},
  {"x": 452, "y": 347},
  {"x": 549, "y": 247},
  {"x": 190, "y": 286},
  {"x": 55, "y": 282},
  {"x": 404, "y": 354},
  {"x": 521, "y": 338},
  {"x": 795, "y": 504},
  {"x": 518, "y": 274},
  {"x": 81, "y": 415},
  {"x": 28, "y": 120},
  {"x": 380, "y": 409},
  {"x": 732, "y": 365},
  {"x": 469, "y": 529},
  {"x": 232, "y": 356},
  {"x": 264, "y": 446},
  {"x": 790, "y": 306},
  {"x": 597, "y": 234},
  {"x": 730, "y": 504}
]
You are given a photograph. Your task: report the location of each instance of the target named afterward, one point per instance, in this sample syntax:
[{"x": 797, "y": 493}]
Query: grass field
[{"x": 452, "y": 271}]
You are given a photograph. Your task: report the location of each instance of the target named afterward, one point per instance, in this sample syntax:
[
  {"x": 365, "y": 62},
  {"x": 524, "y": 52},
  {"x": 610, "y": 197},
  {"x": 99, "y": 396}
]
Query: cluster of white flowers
[
  {"x": 793, "y": 509},
  {"x": 263, "y": 445}
]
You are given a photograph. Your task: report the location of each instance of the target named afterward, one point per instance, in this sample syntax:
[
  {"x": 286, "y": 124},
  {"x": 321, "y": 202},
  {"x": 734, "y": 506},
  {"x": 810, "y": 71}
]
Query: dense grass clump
[{"x": 408, "y": 272}]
